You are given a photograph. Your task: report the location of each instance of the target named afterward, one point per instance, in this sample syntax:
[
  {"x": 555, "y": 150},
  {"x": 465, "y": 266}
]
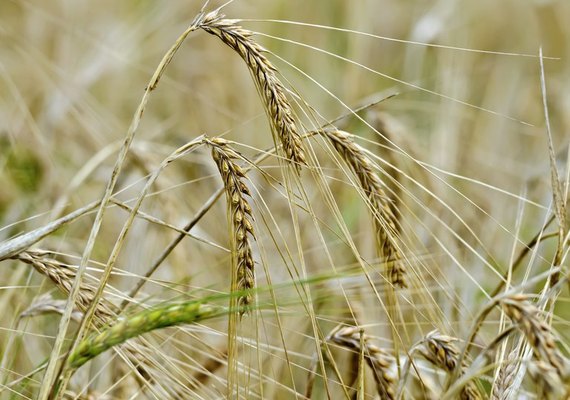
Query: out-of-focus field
[{"x": 461, "y": 146}]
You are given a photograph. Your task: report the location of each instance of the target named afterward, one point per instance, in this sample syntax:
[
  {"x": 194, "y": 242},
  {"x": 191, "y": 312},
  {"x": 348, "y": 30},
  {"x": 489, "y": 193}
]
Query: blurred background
[{"x": 464, "y": 136}]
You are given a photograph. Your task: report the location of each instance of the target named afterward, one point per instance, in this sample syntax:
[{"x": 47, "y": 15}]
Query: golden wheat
[
  {"x": 379, "y": 361},
  {"x": 441, "y": 351},
  {"x": 264, "y": 74},
  {"x": 537, "y": 332},
  {"x": 384, "y": 218},
  {"x": 240, "y": 219}
]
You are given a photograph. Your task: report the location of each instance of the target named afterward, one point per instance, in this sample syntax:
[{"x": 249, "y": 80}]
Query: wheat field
[{"x": 318, "y": 199}]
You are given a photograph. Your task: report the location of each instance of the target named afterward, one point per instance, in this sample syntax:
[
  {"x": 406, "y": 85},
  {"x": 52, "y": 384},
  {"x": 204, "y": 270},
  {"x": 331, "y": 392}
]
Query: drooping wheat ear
[
  {"x": 539, "y": 335},
  {"x": 62, "y": 276},
  {"x": 142, "y": 322},
  {"x": 385, "y": 221},
  {"x": 441, "y": 351},
  {"x": 264, "y": 74},
  {"x": 240, "y": 220},
  {"x": 378, "y": 360}
]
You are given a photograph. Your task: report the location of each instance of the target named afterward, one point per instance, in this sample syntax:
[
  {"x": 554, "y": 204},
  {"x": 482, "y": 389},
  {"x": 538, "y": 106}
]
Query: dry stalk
[
  {"x": 539, "y": 335},
  {"x": 264, "y": 74},
  {"x": 377, "y": 359},
  {"x": 441, "y": 351},
  {"x": 239, "y": 212},
  {"x": 385, "y": 221}
]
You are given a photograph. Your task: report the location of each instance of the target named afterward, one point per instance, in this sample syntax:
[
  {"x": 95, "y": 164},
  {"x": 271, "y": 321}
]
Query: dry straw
[
  {"x": 385, "y": 221},
  {"x": 264, "y": 74},
  {"x": 239, "y": 214}
]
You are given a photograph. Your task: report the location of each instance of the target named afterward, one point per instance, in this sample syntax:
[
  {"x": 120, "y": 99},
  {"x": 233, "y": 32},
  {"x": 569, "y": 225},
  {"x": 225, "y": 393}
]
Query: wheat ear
[
  {"x": 63, "y": 276},
  {"x": 264, "y": 74},
  {"x": 537, "y": 332},
  {"x": 377, "y": 359},
  {"x": 145, "y": 321},
  {"x": 385, "y": 221},
  {"x": 441, "y": 351},
  {"x": 505, "y": 377},
  {"x": 240, "y": 217}
]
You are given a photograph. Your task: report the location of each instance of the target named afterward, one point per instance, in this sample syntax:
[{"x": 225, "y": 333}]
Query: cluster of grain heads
[
  {"x": 441, "y": 351},
  {"x": 385, "y": 221},
  {"x": 539, "y": 334},
  {"x": 149, "y": 320},
  {"x": 377, "y": 359},
  {"x": 271, "y": 90},
  {"x": 239, "y": 214}
]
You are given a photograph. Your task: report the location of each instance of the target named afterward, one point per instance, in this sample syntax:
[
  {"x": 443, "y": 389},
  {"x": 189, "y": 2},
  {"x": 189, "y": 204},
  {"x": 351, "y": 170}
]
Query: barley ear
[
  {"x": 239, "y": 212},
  {"x": 539, "y": 335},
  {"x": 271, "y": 90},
  {"x": 62, "y": 276},
  {"x": 442, "y": 352},
  {"x": 376, "y": 358},
  {"x": 385, "y": 221}
]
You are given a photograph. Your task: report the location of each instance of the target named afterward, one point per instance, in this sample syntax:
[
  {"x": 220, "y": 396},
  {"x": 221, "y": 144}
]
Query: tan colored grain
[
  {"x": 442, "y": 352},
  {"x": 240, "y": 220},
  {"x": 62, "y": 275},
  {"x": 378, "y": 360},
  {"x": 264, "y": 74},
  {"x": 539, "y": 335},
  {"x": 385, "y": 221}
]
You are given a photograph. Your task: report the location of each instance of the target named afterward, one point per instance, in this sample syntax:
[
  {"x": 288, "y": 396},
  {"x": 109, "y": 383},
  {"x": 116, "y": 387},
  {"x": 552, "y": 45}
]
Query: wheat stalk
[
  {"x": 239, "y": 212},
  {"x": 385, "y": 221},
  {"x": 377, "y": 359},
  {"x": 264, "y": 74}
]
